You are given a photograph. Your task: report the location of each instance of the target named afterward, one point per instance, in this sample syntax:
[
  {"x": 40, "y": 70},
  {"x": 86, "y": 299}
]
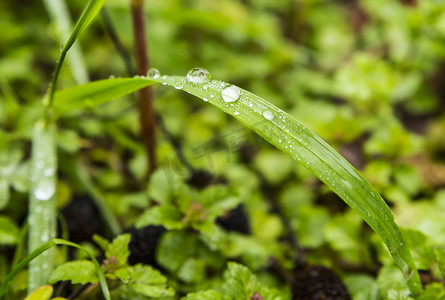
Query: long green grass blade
[
  {"x": 90, "y": 11},
  {"x": 95, "y": 93},
  {"x": 288, "y": 135},
  {"x": 302, "y": 144},
  {"x": 59, "y": 14},
  {"x": 44, "y": 248},
  {"x": 42, "y": 205}
]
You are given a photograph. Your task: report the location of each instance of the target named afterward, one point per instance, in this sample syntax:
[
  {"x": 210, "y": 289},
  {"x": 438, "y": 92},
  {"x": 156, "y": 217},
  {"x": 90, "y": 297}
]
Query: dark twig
[{"x": 146, "y": 111}]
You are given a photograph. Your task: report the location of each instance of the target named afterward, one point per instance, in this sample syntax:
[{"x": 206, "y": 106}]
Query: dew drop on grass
[
  {"x": 236, "y": 113},
  {"x": 45, "y": 189},
  {"x": 205, "y": 99},
  {"x": 153, "y": 73},
  {"x": 268, "y": 115},
  {"x": 199, "y": 75},
  {"x": 178, "y": 85},
  {"x": 231, "y": 93}
]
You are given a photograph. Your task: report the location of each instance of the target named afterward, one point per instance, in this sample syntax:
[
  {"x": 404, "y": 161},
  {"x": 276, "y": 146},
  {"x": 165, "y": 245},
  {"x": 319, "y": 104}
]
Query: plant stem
[
  {"x": 146, "y": 111},
  {"x": 58, "y": 11},
  {"x": 42, "y": 206}
]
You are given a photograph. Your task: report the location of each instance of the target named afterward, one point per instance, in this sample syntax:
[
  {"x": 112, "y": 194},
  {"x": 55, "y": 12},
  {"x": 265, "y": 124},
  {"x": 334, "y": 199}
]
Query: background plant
[{"x": 375, "y": 96}]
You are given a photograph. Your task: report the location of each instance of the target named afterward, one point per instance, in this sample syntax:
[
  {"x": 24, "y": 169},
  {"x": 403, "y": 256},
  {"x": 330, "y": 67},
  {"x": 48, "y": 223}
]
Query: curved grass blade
[
  {"x": 303, "y": 145},
  {"x": 95, "y": 93},
  {"x": 42, "y": 249},
  {"x": 288, "y": 135},
  {"x": 90, "y": 11}
]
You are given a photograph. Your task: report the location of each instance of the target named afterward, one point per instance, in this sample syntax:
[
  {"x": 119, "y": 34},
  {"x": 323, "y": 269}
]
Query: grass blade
[
  {"x": 59, "y": 14},
  {"x": 288, "y": 135},
  {"x": 42, "y": 204},
  {"x": 302, "y": 144},
  {"x": 91, "y": 10},
  {"x": 97, "y": 92}
]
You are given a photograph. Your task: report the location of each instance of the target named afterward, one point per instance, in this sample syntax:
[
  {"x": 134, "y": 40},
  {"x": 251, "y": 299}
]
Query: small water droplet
[
  {"x": 250, "y": 104},
  {"x": 45, "y": 189},
  {"x": 205, "y": 99},
  {"x": 153, "y": 73},
  {"x": 268, "y": 115},
  {"x": 48, "y": 172},
  {"x": 280, "y": 141},
  {"x": 231, "y": 93},
  {"x": 212, "y": 96},
  {"x": 199, "y": 75},
  {"x": 236, "y": 113},
  {"x": 61, "y": 47},
  {"x": 178, "y": 85},
  {"x": 164, "y": 83},
  {"x": 164, "y": 77}
]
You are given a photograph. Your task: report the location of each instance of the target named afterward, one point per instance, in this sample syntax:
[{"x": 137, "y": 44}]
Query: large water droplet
[
  {"x": 153, "y": 73},
  {"x": 199, "y": 75},
  {"x": 268, "y": 115},
  {"x": 231, "y": 93},
  {"x": 45, "y": 189}
]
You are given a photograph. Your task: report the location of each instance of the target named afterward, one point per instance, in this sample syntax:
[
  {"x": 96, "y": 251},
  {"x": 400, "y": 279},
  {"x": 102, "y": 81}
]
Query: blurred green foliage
[{"x": 366, "y": 75}]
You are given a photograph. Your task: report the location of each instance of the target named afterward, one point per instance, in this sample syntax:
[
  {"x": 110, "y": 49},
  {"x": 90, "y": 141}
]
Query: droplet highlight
[
  {"x": 153, "y": 73},
  {"x": 231, "y": 93},
  {"x": 268, "y": 115},
  {"x": 199, "y": 75}
]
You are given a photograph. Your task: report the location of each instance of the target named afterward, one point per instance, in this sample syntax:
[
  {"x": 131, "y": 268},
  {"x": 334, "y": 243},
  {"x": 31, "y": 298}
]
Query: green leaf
[
  {"x": 434, "y": 291},
  {"x": 79, "y": 271},
  {"x": 102, "y": 242},
  {"x": 167, "y": 215},
  {"x": 244, "y": 282},
  {"x": 174, "y": 248},
  {"x": 118, "y": 249},
  {"x": 42, "y": 293},
  {"x": 149, "y": 282},
  {"x": 206, "y": 295},
  {"x": 9, "y": 232},
  {"x": 95, "y": 93},
  {"x": 295, "y": 139}
]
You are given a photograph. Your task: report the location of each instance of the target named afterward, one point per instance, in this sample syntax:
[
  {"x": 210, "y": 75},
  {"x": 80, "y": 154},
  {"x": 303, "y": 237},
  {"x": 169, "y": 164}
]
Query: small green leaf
[
  {"x": 434, "y": 291},
  {"x": 101, "y": 242},
  {"x": 42, "y": 293},
  {"x": 206, "y": 295},
  {"x": 149, "y": 282},
  {"x": 167, "y": 215},
  {"x": 9, "y": 232},
  {"x": 244, "y": 282},
  {"x": 118, "y": 249},
  {"x": 80, "y": 271}
]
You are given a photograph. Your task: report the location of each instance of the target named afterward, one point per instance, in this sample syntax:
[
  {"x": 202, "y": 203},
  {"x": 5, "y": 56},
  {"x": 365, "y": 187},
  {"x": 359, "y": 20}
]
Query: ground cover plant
[{"x": 161, "y": 195}]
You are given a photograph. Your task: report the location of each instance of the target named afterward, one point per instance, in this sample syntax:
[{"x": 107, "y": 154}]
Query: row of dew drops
[{"x": 229, "y": 94}]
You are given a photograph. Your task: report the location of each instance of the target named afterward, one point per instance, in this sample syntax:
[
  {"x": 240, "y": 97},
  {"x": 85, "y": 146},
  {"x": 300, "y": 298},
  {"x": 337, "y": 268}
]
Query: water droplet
[
  {"x": 250, "y": 104},
  {"x": 61, "y": 47},
  {"x": 280, "y": 141},
  {"x": 178, "y": 85},
  {"x": 153, "y": 73},
  {"x": 205, "y": 87},
  {"x": 268, "y": 115},
  {"x": 199, "y": 75},
  {"x": 164, "y": 77},
  {"x": 236, "y": 113},
  {"x": 212, "y": 96},
  {"x": 231, "y": 93},
  {"x": 205, "y": 99},
  {"x": 45, "y": 189},
  {"x": 48, "y": 172}
]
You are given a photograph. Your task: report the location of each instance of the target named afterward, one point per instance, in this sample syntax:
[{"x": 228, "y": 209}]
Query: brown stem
[{"x": 146, "y": 112}]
